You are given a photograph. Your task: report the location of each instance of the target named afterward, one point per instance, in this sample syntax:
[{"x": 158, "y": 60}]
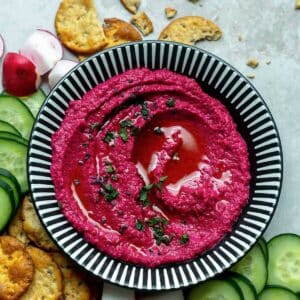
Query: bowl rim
[{"x": 237, "y": 257}]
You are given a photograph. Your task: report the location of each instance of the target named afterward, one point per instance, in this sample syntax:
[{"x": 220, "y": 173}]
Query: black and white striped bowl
[{"x": 218, "y": 79}]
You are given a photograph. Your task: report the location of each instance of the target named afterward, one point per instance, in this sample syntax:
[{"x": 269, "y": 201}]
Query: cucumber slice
[
  {"x": 284, "y": 261},
  {"x": 277, "y": 293},
  {"x": 11, "y": 180},
  {"x": 247, "y": 288},
  {"x": 13, "y": 111},
  {"x": 6, "y": 204},
  {"x": 9, "y": 135},
  {"x": 34, "y": 101},
  {"x": 263, "y": 244},
  {"x": 4, "y": 126},
  {"x": 254, "y": 267},
  {"x": 216, "y": 289},
  {"x": 13, "y": 156}
]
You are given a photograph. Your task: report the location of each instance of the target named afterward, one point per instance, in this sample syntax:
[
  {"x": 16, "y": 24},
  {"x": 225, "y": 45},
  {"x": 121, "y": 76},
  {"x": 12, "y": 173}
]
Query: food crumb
[
  {"x": 268, "y": 62},
  {"x": 253, "y": 63},
  {"x": 251, "y": 76},
  {"x": 240, "y": 38},
  {"x": 170, "y": 12},
  {"x": 297, "y": 4}
]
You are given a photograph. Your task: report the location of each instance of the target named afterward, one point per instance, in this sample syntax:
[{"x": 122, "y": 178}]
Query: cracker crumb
[
  {"x": 297, "y": 4},
  {"x": 251, "y": 76},
  {"x": 268, "y": 62},
  {"x": 142, "y": 22},
  {"x": 253, "y": 63},
  {"x": 240, "y": 38},
  {"x": 170, "y": 12},
  {"x": 131, "y": 5}
]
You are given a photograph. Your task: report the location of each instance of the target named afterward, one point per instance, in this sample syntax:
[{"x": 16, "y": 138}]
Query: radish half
[
  {"x": 1, "y": 46},
  {"x": 59, "y": 70},
  {"x": 43, "y": 49},
  {"x": 19, "y": 77}
]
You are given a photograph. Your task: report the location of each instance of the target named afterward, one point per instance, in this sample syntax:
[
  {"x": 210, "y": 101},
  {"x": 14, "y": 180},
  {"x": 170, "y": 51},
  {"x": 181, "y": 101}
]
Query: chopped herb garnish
[
  {"x": 144, "y": 194},
  {"x": 95, "y": 126},
  {"x": 139, "y": 225},
  {"x": 157, "y": 220},
  {"x": 110, "y": 193},
  {"x": 109, "y": 168},
  {"x": 157, "y": 130},
  {"x": 123, "y": 134},
  {"x": 170, "y": 102},
  {"x": 161, "y": 181},
  {"x": 110, "y": 136},
  {"x": 114, "y": 177},
  {"x": 126, "y": 123},
  {"x": 145, "y": 111},
  {"x": 184, "y": 239},
  {"x": 156, "y": 224}
]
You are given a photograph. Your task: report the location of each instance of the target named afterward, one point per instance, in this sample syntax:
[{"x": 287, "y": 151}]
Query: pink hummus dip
[{"x": 149, "y": 168}]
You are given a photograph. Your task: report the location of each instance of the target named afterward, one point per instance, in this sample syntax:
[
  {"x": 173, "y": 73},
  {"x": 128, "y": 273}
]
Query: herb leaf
[
  {"x": 157, "y": 220},
  {"x": 161, "y": 181},
  {"x": 144, "y": 194},
  {"x": 170, "y": 102},
  {"x": 110, "y": 193},
  {"x": 156, "y": 224},
  {"x": 123, "y": 134},
  {"x": 145, "y": 111},
  {"x": 110, "y": 136},
  {"x": 184, "y": 239},
  {"x": 126, "y": 123},
  {"x": 139, "y": 225}
]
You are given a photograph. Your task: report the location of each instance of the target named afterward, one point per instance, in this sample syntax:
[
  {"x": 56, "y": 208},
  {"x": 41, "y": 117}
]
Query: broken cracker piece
[
  {"x": 191, "y": 29},
  {"x": 170, "y": 12},
  {"x": 253, "y": 63},
  {"x": 131, "y": 5},
  {"x": 268, "y": 62},
  {"x": 297, "y": 4},
  {"x": 142, "y": 22},
  {"x": 251, "y": 76},
  {"x": 78, "y": 27}
]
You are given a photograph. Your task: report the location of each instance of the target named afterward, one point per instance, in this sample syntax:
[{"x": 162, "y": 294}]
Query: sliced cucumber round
[
  {"x": 13, "y": 156},
  {"x": 17, "y": 138},
  {"x": 13, "y": 111},
  {"x": 6, "y": 204},
  {"x": 254, "y": 267},
  {"x": 216, "y": 289},
  {"x": 263, "y": 244},
  {"x": 284, "y": 261},
  {"x": 246, "y": 286},
  {"x": 4, "y": 126},
  {"x": 34, "y": 101},
  {"x": 11, "y": 180},
  {"x": 277, "y": 293}
]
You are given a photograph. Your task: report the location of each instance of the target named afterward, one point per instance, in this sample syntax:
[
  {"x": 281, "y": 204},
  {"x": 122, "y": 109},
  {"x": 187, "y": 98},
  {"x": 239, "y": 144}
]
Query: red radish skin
[
  {"x": 19, "y": 76},
  {"x": 1, "y": 46},
  {"x": 43, "y": 49},
  {"x": 59, "y": 70}
]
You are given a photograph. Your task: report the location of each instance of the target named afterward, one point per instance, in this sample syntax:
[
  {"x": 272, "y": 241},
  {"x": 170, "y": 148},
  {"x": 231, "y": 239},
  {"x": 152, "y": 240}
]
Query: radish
[
  {"x": 43, "y": 49},
  {"x": 1, "y": 46},
  {"x": 20, "y": 77},
  {"x": 59, "y": 70}
]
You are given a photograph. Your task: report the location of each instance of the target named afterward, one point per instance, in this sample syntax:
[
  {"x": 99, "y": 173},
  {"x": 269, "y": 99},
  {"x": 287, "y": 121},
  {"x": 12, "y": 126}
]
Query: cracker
[
  {"x": 297, "y": 4},
  {"x": 15, "y": 228},
  {"x": 170, "y": 12},
  {"x": 142, "y": 22},
  {"x": 131, "y": 5},
  {"x": 191, "y": 29},
  {"x": 75, "y": 286},
  {"x": 16, "y": 268},
  {"x": 47, "y": 281},
  {"x": 78, "y": 27},
  {"x": 33, "y": 227},
  {"x": 253, "y": 63}
]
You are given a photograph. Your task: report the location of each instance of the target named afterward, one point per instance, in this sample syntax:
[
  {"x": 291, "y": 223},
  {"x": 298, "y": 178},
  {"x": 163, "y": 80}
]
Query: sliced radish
[
  {"x": 43, "y": 49},
  {"x": 20, "y": 77},
  {"x": 59, "y": 70},
  {"x": 1, "y": 46}
]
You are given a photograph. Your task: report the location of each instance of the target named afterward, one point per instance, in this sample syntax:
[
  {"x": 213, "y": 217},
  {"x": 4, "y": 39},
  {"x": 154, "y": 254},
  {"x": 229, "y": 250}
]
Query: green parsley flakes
[
  {"x": 109, "y": 137},
  {"x": 144, "y": 194},
  {"x": 139, "y": 225},
  {"x": 184, "y": 239},
  {"x": 170, "y": 102},
  {"x": 110, "y": 193}
]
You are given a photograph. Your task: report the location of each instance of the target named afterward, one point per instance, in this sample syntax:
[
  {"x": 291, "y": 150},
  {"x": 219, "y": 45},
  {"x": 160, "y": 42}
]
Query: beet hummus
[{"x": 149, "y": 168}]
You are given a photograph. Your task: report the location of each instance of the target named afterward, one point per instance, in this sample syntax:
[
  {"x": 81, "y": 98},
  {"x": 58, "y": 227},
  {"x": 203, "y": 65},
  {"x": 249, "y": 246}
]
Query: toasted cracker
[
  {"x": 33, "y": 227},
  {"x": 47, "y": 281},
  {"x": 142, "y": 22},
  {"x": 253, "y": 63},
  {"x": 16, "y": 268},
  {"x": 131, "y": 5},
  {"x": 297, "y": 4},
  {"x": 15, "y": 228},
  {"x": 78, "y": 27},
  {"x": 75, "y": 286},
  {"x": 189, "y": 30},
  {"x": 170, "y": 12}
]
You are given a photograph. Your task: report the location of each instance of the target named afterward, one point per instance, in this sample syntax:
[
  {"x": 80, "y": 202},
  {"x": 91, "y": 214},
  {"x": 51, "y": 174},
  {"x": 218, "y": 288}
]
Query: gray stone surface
[{"x": 270, "y": 31}]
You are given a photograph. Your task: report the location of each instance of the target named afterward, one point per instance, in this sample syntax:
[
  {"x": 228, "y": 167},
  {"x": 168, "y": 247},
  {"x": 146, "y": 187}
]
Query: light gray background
[{"x": 270, "y": 31}]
